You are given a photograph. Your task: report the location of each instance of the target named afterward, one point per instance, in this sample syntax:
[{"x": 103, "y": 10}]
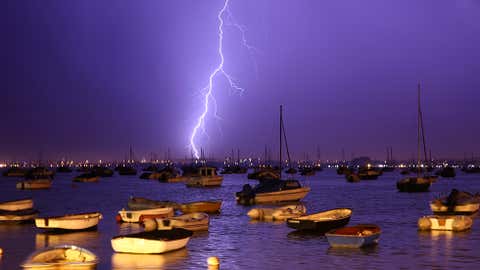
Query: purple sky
[{"x": 86, "y": 79}]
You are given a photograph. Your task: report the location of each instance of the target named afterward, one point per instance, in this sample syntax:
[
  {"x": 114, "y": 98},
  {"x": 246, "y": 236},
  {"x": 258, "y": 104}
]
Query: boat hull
[
  {"x": 412, "y": 185},
  {"x": 205, "y": 207},
  {"x": 288, "y": 195},
  {"x": 205, "y": 181},
  {"x": 466, "y": 209},
  {"x": 69, "y": 222},
  {"x": 445, "y": 223},
  {"x": 17, "y": 205},
  {"x": 280, "y": 213},
  {"x": 354, "y": 237},
  {"x": 62, "y": 257},
  {"x": 192, "y": 222},
  {"x": 34, "y": 184},
  {"x": 18, "y": 216},
  {"x": 321, "y": 222},
  {"x": 151, "y": 242},
  {"x": 140, "y": 215}
]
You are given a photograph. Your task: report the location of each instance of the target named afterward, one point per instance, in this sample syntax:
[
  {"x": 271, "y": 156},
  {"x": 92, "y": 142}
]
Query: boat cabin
[{"x": 207, "y": 171}]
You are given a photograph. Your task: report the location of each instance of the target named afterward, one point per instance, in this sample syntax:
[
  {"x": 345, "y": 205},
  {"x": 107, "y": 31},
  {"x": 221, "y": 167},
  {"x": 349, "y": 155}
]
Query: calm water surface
[{"x": 243, "y": 244}]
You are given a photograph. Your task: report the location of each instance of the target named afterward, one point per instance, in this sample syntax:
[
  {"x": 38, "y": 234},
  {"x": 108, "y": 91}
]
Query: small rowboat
[
  {"x": 62, "y": 257},
  {"x": 153, "y": 242},
  {"x": 87, "y": 178},
  {"x": 201, "y": 206},
  {"x": 141, "y": 215},
  {"x": 139, "y": 203},
  {"x": 16, "y": 205},
  {"x": 323, "y": 221},
  {"x": 280, "y": 213},
  {"x": 18, "y": 216},
  {"x": 445, "y": 223},
  {"x": 191, "y": 222},
  {"x": 35, "y": 184},
  {"x": 69, "y": 222},
  {"x": 355, "y": 236}
]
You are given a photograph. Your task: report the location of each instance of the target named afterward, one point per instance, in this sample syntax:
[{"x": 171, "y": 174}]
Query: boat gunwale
[
  {"x": 309, "y": 217},
  {"x": 69, "y": 216},
  {"x": 332, "y": 232}
]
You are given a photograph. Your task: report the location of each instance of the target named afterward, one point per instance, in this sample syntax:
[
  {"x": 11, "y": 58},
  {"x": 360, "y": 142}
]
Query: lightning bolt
[{"x": 208, "y": 90}]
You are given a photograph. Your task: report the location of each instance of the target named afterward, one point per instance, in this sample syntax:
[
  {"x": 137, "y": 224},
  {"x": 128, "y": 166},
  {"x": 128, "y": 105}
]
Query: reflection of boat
[
  {"x": 87, "y": 177},
  {"x": 55, "y": 238},
  {"x": 140, "y": 215},
  {"x": 61, "y": 257},
  {"x": 420, "y": 183},
  {"x": 191, "y": 222},
  {"x": 272, "y": 191},
  {"x": 445, "y": 223},
  {"x": 354, "y": 236},
  {"x": 279, "y": 213},
  {"x": 201, "y": 206},
  {"x": 156, "y": 241},
  {"x": 322, "y": 221},
  {"x": 352, "y": 177},
  {"x": 456, "y": 203},
  {"x": 16, "y": 205},
  {"x": 69, "y": 222},
  {"x": 18, "y": 216},
  {"x": 128, "y": 261},
  {"x": 139, "y": 203},
  {"x": 207, "y": 177},
  {"x": 35, "y": 184}
]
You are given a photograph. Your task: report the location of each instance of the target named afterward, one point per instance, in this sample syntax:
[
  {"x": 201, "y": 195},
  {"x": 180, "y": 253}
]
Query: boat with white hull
[
  {"x": 140, "y": 215},
  {"x": 81, "y": 221},
  {"x": 16, "y": 205},
  {"x": 152, "y": 242}
]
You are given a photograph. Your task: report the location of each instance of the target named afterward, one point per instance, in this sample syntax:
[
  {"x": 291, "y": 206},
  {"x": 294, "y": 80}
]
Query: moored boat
[
  {"x": 207, "y": 177},
  {"x": 152, "y": 242},
  {"x": 15, "y": 172},
  {"x": 81, "y": 221},
  {"x": 445, "y": 223},
  {"x": 87, "y": 177},
  {"x": 19, "y": 216},
  {"x": 16, "y": 205},
  {"x": 354, "y": 236},
  {"x": 269, "y": 191},
  {"x": 140, "y": 215},
  {"x": 414, "y": 184},
  {"x": 456, "y": 203},
  {"x": 35, "y": 184},
  {"x": 280, "y": 213},
  {"x": 61, "y": 257},
  {"x": 140, "y": 203},
  {"x": 201, "y": 206},
  {"x": 323, "y": 221},
  {"x": 192, "y": 222}
]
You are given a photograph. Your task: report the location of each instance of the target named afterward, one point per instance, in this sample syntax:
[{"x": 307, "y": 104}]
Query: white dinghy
[
  {"x": 141, "y": 215},
  {"x": 279, "y": 213},
  {"x": 82, "y": 221},
  {"x": 153, "y": 242},
  {"x": 17, "y": 205},
  {"x": 191, "y": 222}
]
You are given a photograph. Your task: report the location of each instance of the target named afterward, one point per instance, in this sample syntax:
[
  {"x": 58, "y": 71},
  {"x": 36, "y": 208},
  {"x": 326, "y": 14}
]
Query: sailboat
[
  {"x": 270, "y": 191},
  {"x": 422, "y": 182}
]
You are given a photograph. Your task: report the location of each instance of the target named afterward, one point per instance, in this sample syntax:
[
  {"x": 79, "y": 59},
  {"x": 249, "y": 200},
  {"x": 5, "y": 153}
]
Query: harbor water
[{"x": 243, "y": 244}]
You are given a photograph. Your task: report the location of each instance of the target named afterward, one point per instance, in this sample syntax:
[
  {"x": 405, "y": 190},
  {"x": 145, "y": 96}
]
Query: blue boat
[{"x": 354, "y": 236}]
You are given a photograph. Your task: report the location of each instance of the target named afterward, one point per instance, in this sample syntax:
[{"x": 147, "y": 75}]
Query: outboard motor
[{"x": 246, "y": 196}]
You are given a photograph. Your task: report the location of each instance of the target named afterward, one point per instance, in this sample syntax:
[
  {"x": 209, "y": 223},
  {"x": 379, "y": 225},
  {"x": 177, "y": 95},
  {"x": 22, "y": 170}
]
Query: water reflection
[
  {"x": 83, "y": 238},
  {"x": 439, "y": 235},
  {"x": 147, "y": 261},
  {"x": 348, "y": 252}
]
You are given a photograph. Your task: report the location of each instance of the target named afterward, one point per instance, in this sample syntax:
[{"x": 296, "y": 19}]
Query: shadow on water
[{"x": 305, "y": 235}]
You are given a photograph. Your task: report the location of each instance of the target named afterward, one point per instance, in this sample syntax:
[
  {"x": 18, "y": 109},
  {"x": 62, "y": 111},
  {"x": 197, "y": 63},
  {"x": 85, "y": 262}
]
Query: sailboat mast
[
  {"x": 281, "y": 125},
  {"x": 418, "y": 133}
]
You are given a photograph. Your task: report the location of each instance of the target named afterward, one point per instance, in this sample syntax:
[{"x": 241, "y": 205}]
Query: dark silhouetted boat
[
  {"x": 15, "y": 172},
  {"x": 87, "y": 177},
  {"x": 456, "y": 203},
  {"x": 64, "y": 169},
  {"x": 321, "y": 222},
  {"x": 447, "y": 172}
]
